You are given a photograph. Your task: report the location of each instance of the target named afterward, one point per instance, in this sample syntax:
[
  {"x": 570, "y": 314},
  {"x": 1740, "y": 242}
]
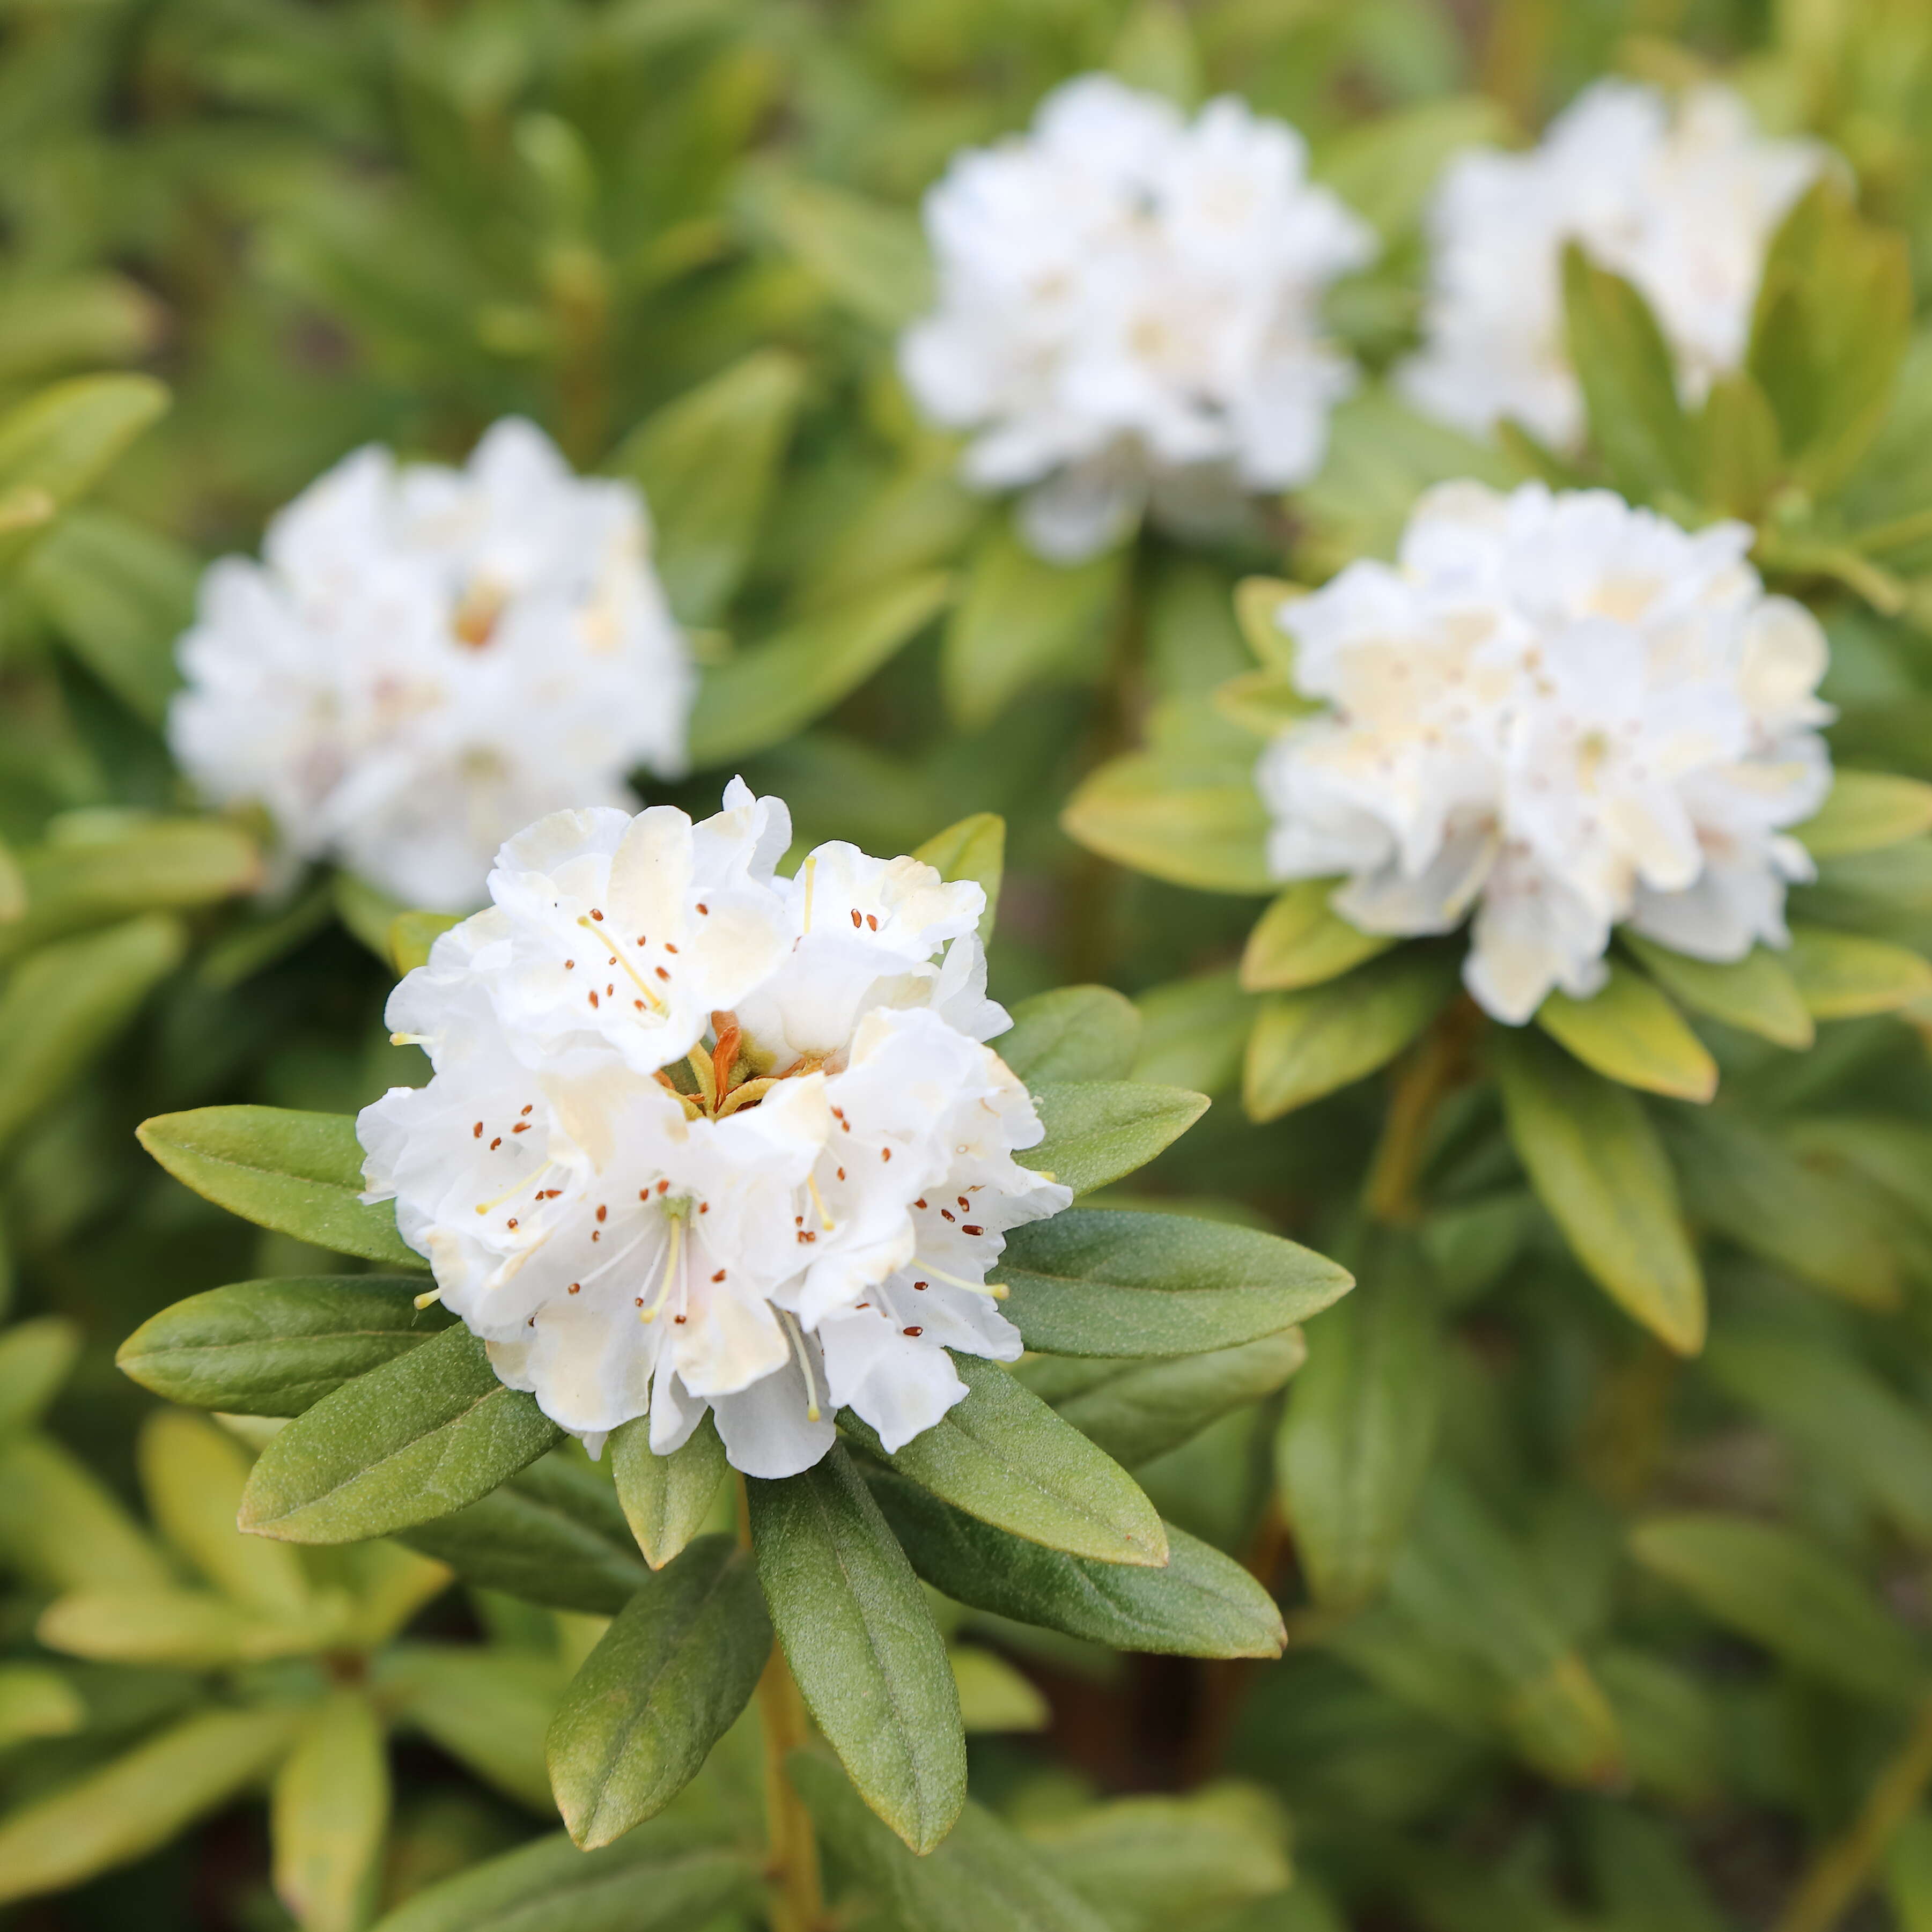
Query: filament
[{"x": 797, "y": 1337}]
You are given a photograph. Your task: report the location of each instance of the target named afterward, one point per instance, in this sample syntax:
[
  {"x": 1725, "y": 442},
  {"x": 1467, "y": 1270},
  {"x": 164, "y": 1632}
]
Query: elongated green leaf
[
  {"x": 1629, "y": 386},
  {"x": 37, "y": 1703},
  {"x": 1258, "y": 604},
  {"x": 654, "y": 1879},
  {"x": 415, "y": 1439},
  {"x": 1865, "y": 811},
  {"x": 299, "y": 1173},
  {"x": 1781, "y": 1591},
  {"x": 1298, "y": 942},
  {"x": 329, "y": 1815},
  {"x": 666, "y": 1498},
  {"x": 1108, "y": 1281},
  {"x": 1629, "y": 1032},
  {"x": 62, "y": 439},
  {"x": 412, "y": 933},
  {"x": 1003, "y": 1456},
  {"x": 553, "y": 1534},
  {"x": 1843, "y": 976},
  {"x": 1021, "y": 621},
  {"x": 869, "y": 256},
  {"x": 983, "y": 1875},
  {"x": 1193, "y": 1033},
  {"x": 975, "y": 849},
  {"x": 276, "y": 1348},
  {"x": 666, "y": 1681},
  {"x": 1201, "y": 1604},
  {"x": 706, "y": 462},
  {"x": 60, "y": 1528},
  {"x": 1754, "y": 1188},
  {"x": 193, "y": 1476},
  {"x": 489, "y": 1709},
  {"x": 1737, "y": 446},
  {"x": 1074, "y": 1033},
  {"x": 1149, "y": 1864},
  {"x": 1908, "y": 1873},
  {"x": 36, "y": 1357},
  {"x": 65, "y": 1005},
  {"x": 1306, "y": 1045},
  {"x": 1191, "y": 816},
  {"x": 1097, "y": 1130},
  {"x": 767, "y": 692},
  {"x": 121, "y": 1812},
  {"x": 1594, "y": 1161},
  {"x": 1356, "y": 1438},
  {"x": 1755, "y": 993},
  {"x": 994, "y": 1696},
  {"x": 195, "y": 1629},
  {"x": 862, "y": 1645},
  {"x": 1138, "y": 1409},
  {"x": 1845, "y": 1416}
]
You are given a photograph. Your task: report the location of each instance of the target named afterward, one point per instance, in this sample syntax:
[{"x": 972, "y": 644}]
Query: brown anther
[
  {"x": 912, "y": 1331},
  {"x": 704, "y": 908},
  {"x": 679, "y": 1319},
  {"x": 719, "y": 1275},
  {"x": 510, "y": 1223},
  {"x": 919, "y": 1204},
  {"x": 962, "y": 1201},
  {"x": 521, "y": 1127},
  {"x": 476, "y": 1132},
  {"x": 920, "y": 1286},
  {"x": 496, "y": 1143},
  {"x": 593, "y": 999},
  {"x": 947, "y": 1214},
  {"x": 529, "y": 1109},
  {"x": 660, "y": 972},
  {"x": 967, "y": 1228},
  {"x": 638, "y": 1302},
  {"x": 596, "y": 915},
  {"x": 857, "y": 920},
  {"x": 841, "y": 1174},
  {"x": 669, "y": 947},
  {"x": 570, "y": 965},
  {"x": 885, "y": 1153},
  {"x": 603, "y": 1212},
  {"x": 704, "y": 1206},
  {"x": 664, "y": 1187},
  {"x": 872, "y": 922},
  {"x": 595, "y": 1235},
  {"x": 576, "y": 1288}
]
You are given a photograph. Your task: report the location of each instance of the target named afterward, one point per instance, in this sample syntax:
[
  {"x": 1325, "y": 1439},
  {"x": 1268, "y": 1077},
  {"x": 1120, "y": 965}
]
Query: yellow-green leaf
[
  {"x": 1866, "y": 810},
  {"x": 1755, "y": 994},
  {"x": 1843, "y": 976},
  {"x": 1631, "y": 1032},
  {"x": 329, "y": 1814},
  {"x": 1298, "y": 942}
]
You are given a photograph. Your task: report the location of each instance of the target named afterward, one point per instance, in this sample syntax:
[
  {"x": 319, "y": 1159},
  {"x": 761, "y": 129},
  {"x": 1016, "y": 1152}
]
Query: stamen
[
  {"x": 997, "y": 1290},
  {"x": 424, "y": 1300},
  {"x": 647, "y": 992},
  {"x": 825, "y": 1220},
  {"x": 484, "y": 1208},
  {"x": 671, "y": 1255},
  {"x": 792, "y": 1329}
]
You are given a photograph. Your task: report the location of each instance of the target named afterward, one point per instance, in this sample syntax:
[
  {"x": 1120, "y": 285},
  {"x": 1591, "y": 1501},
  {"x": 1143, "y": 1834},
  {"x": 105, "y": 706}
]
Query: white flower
[
  {"x": 1684, "y": 206},
  {"x": 773, "y": 1188},
  {"x": 427, "y": 658},
  {"x": 1129, "y": 311},
  {"x": 1564, "y": 712}
]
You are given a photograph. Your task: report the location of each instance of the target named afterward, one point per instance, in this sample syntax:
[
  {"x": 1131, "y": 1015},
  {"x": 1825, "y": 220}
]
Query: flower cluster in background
[
  {"x": 703, "y": 1137},
  {"x": 1130, "y": 312},
  {"x": 427, "y": 658},
  {"x": 1682, "y": 201},
  {"x": 1564, "y": 713}
]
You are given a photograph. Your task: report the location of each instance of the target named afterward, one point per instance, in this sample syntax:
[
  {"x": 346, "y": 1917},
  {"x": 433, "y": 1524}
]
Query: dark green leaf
[
  {"x": 1097, "y": 1130},
  {"x": 1075, "y": 1033},
  {"x": 1755, "y": 993},
  {"x": 1630, "y": 386}
]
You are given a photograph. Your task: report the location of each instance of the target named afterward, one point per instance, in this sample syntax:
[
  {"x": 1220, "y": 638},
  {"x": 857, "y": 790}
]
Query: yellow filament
[
  {"x": 584, "y": 920},
  {"x": 671, "y": 1255},
  {"x": 792, "y": 1329},
  {"x": 484, "y": 1208},
  {"x": 997, "y": 1290},
  {"x": 825, "y": 1220}
]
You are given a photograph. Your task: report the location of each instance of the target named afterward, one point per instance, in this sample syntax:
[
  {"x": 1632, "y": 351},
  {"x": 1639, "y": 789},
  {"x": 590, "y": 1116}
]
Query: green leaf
[
  {"x": 415, "y": 1439},
  {"x": 862, "y": 1645},
  {"x": 1189, "y": 813},
  {"x": 1866, "y": 811},
  {"x": 706, "y": 463},
  {"x": 63, "y": 438},
  {"x": 1785, "y": 1594},
  {"x": 994, "y": 1696},
  {"x": 654, "y": 1880},
  {"x": 1737, "y": 446},
  {"x": 1194, "y": 1032},
  {"x": 975, "y": 849},
  {"x": 1755, "y": 994},
  {"x": 329, "y": 1816},
  {"x": 1022, "y": 622},
  {"x": 1594, "y": 1161},
  {"x": 1150, "y": 1863},
  {"x": 1097, "y": 1130},
  {"x": 299, "y": 1173},
  {"x": 36, "y": 1358},
  {"x": 62, "y": 1528},
  {"x": 1907, "y": 1867},
  {"x": 49, "y": 322},
  {"x": 1298, "y": 942},
  {"x": 1387, "y": 167},
  {"x": 1630, "y": 384},
  {"x": 1356, "y": 1438},
  {"x": 766, "y": 692},
  {"x": 1074, "y": 1033},
  {"x": 489, "y": 1709},
  {"x": 37, "y": 1703},
  {"x": 137, "y": 1803},
  {"x": 553, "y": 1534},
  {"x": 412, "y": 933},
  {"x": 194, "y": 1629},
  {"x": 369, "y": 912},
  {"x": 1155, "y": 51},
  {"x": 1263, "y": 703},
  {"x": 1201, "y": 1604},
  {"x": 1258, "y": 604},
  {"x": 1842, "y": 976},
  {"x": 870, "y": 258},
  {"x": 120, "y": 596},
  {"x": 1631, "y": 1032},
  {"x": 1003, "y": 1456},
  {"x": 1098, "y": 1281},
  {"x": 276, "y": 1348},
  {"x": 65, "y": 1004},
  {"x": 666, "y": 1499},
  {"x": 194, "y": 1475},
  {"x": 1839, "y": 1413},
  {"x": 665, "y": 1682},
  {"x": 1754, "y": 1188},
  {"x": 1138, "y": 1408},
  {"x": 1309, "y": 1044},
  {"x": 981, "y": 1876}
]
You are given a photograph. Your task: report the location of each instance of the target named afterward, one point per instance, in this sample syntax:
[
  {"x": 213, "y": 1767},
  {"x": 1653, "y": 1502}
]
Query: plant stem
[
  {"x": 1430, "y": 1073},
  {"x": 1842, "y": 1870},
  {"x": 798, "y": 1903}
]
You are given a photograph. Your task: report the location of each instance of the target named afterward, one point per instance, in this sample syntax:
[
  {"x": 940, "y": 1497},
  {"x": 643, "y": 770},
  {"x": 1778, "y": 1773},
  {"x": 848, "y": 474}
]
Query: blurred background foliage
[{"x": 1589, "y": 1637}]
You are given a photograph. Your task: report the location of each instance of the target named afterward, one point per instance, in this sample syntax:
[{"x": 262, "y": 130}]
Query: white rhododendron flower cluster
[
  {"x": 1129, "y": 312},
  {"x": 1683, "y": 204},
  {"x": 1564, "y": 713},
  {"x": 427, "y": 658},
  {"x": 700, "y": 1136}
]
